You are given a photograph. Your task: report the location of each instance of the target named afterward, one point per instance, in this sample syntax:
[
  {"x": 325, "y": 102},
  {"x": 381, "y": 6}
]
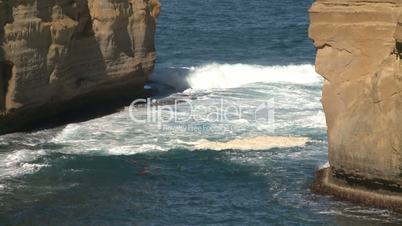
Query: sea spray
[{"x": 222, "y": 76}]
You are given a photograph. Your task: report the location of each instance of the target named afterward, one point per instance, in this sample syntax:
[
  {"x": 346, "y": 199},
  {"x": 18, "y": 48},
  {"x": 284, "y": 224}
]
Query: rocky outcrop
[
  {"x": 359, "y": 51},
  {"x": 56, "y": 55}
]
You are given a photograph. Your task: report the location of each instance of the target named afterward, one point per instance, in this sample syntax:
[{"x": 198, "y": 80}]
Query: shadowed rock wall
[{"x": 54, "y": 52}]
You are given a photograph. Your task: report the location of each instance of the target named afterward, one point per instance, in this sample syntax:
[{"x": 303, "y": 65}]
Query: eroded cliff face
[
  {"x": 67, "y": 50},
  {"x": 359, "y": 49}
]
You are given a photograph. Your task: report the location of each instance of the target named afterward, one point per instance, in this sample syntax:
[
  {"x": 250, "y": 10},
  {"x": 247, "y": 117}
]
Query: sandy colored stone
[
  {"x": 56, "y": 51},
  {"x": 359, "y": 49}
]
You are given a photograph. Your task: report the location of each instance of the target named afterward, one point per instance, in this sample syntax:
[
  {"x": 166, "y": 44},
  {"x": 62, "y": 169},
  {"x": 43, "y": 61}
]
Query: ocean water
[{"x": 240, "y": 147}]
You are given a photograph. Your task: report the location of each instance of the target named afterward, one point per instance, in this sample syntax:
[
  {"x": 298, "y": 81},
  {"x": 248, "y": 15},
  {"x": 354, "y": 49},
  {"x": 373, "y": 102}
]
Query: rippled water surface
[{"x": 116, "y": 171}]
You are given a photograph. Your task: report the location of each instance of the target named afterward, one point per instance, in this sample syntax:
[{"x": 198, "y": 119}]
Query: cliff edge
[
  {"x": 65, "y": 54},
  {"x": 359, "y": 51}
]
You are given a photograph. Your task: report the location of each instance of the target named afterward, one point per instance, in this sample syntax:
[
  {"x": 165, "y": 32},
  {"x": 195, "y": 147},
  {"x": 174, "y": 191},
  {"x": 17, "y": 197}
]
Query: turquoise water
[{"x": 116, "y": 171}]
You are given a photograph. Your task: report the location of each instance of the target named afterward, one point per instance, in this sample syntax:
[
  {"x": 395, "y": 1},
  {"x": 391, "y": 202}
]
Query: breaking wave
[{"x": 221, "y": 76}]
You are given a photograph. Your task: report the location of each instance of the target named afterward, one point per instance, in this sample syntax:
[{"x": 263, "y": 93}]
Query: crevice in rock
[
  {"x": 330, "y": 46},
  {"x": 6, "y": 71},
  {"x": 84, "y": 28},
  {"x": 398, "y": 49},
  {"x": 87, "y": 29}
]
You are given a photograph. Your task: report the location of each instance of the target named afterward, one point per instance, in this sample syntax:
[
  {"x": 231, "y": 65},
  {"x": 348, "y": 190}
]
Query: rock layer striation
[
  {"x": 359, "y": 51},
  {"x": 56, "y": 55}
]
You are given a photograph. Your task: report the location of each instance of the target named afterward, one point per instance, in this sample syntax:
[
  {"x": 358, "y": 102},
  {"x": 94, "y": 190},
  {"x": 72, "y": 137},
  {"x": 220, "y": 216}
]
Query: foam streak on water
[{"x": 255, "y": 143}]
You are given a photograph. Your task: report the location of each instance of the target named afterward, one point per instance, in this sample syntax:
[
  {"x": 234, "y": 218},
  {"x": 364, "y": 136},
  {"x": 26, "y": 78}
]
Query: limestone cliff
[
  {"x": 359, "y": 51},
  {"x": 70, "y": 52}
]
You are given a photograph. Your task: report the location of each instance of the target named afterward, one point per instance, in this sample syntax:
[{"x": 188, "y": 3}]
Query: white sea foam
[
  {"x": 133, "y": 149},
  {"x": 324, "y": 166},
  {"x": 113, "y": 135},
  {"x": 316, "y": 120},
  {"x": 234, "y": 75},
  {"x": 20, "y": 162},
  {"x": 69, "y": 130},
  {"x": 254, "y": 143},
  {"x": 220, "y": 76}
]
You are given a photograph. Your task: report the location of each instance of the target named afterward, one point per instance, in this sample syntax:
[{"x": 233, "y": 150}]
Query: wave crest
[{"x": 222, "y": 76}]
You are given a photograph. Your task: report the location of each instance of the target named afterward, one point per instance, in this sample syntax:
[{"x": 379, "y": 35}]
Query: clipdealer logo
[{"x": 183, "y": 112}]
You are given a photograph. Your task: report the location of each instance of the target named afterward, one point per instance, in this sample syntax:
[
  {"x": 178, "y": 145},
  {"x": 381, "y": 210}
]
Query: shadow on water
[{"x": 171, "y": 79}]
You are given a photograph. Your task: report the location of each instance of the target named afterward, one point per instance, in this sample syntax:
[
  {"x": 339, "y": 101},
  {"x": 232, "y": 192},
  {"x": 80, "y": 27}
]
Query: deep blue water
[
  {"x": 115, "y": 171},
  {"x": 264, "y": 32}
]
